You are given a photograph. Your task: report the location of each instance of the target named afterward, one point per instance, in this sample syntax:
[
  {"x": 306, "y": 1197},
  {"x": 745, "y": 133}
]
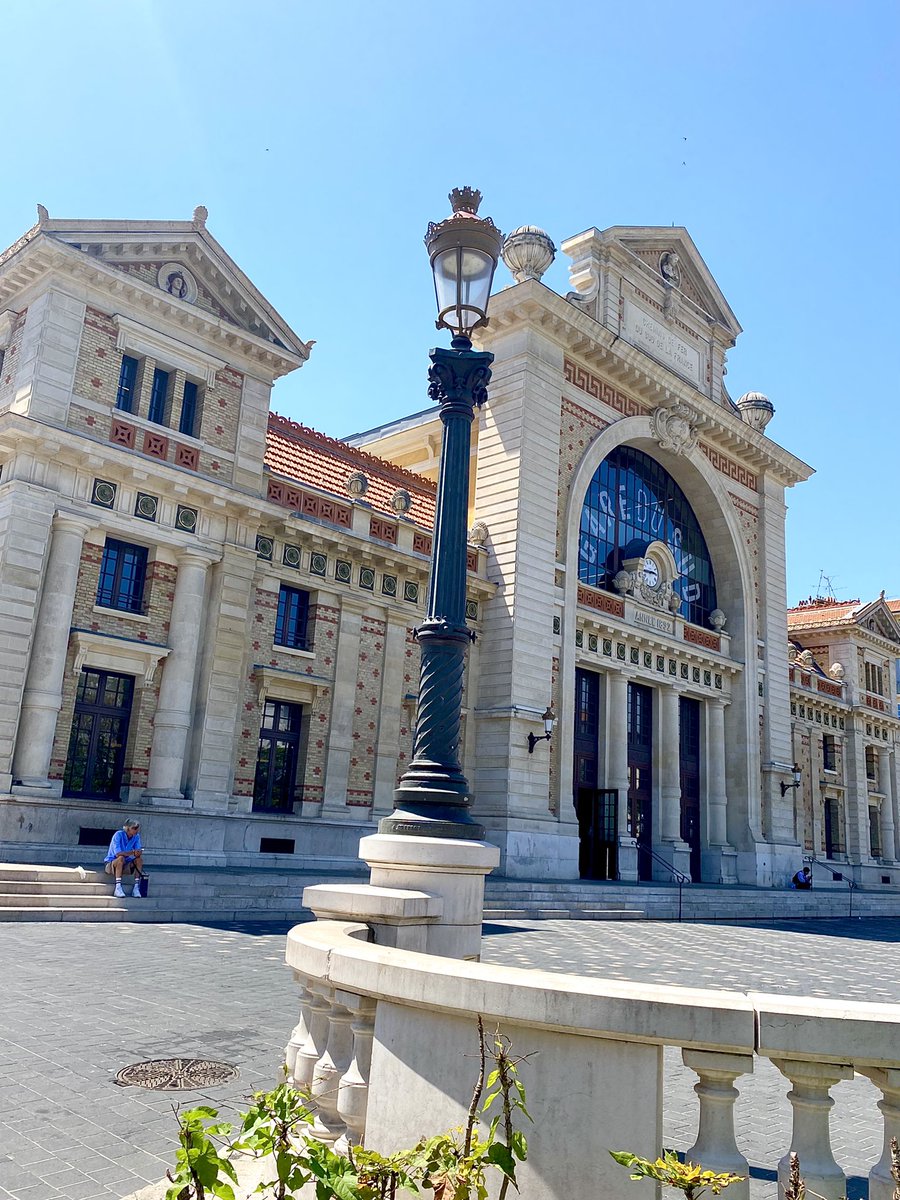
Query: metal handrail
[
  {"x": 842, "y": 878},
  {"x": 680, "y": 878}
]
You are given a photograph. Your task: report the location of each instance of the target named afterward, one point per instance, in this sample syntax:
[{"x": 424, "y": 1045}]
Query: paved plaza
[{"x": 82, "y": 1001}]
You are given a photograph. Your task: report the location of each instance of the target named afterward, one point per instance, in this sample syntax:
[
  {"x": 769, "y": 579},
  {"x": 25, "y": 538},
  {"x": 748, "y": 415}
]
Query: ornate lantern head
[{"x": 464, "y": 250}]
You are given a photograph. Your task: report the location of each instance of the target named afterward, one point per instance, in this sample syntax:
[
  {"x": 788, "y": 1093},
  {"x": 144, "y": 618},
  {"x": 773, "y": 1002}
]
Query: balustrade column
[
  {"x": 353, "y": 1090},
  {"x": 887, "y": 1080},
  {"x": 715, "y": 1146},
  {"x": 886, "y": 783},
  {"x": 669, "y": 765},
  {"x": 299, "y": 1034},
  {"x": 717, "y": 799},
  {"x": 328, "y": 1126},
  {"x": 313, "y": 1046},
  {"x": 42, "y": 695},
  {"x": 810, "y": 1139},
  {"x": 172, "y": 720}
]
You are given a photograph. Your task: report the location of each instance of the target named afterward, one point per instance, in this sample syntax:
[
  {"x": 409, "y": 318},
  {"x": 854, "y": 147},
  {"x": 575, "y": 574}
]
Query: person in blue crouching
[{"x": 125, "y": 855}]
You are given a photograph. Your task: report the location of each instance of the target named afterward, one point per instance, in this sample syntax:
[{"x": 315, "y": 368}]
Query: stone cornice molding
[
  {"x": 595, "y": 346},
  {"x": 106, "y": 650},
  {"x": 43, "y": 255},
  {"x": 144, "y": 341}
]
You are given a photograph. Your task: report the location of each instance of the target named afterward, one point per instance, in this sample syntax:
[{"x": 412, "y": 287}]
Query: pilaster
[
  {"x": 391, "y": 709},
  {"x": 48, "y": 356},
  {"x": 343, "y": 702}
]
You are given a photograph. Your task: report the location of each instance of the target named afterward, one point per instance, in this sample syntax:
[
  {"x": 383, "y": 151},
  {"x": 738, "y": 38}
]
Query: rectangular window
[
  {"x": 158, "y": 394},
  {"x": 875, "y": 831},
  {"x": 188, "y": 409},
  {"x": 834, "y": 827},
  {"x": 829, "y": 753},
  {"x": 123, "y": 572},
  {"x": 125, "y": 396},
  {"x": 275, "y": 785},
  {"x": 292, "y": 618}
]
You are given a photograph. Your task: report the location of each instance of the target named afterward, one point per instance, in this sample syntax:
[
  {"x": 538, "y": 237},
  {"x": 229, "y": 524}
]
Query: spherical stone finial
[
  {"x": 717, "y": 620},
  {"x": 401, "y": 501},
  {"x": 357, "y": 484},
  {"x": 756, "y": 410},
  {"x": 528, "y": 252},
  {"x": 836, "y": 671}
]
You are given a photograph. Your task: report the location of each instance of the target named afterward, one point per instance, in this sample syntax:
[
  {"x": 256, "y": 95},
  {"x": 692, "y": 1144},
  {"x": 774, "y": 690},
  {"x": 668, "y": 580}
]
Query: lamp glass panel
[{"x": 462, "y": 277}]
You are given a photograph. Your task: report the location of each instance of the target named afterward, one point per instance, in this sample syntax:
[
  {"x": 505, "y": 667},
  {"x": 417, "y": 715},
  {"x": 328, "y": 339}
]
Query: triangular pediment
[
  {"x": 669, "y": 253},
  {"x": 182, "y": 259},
  {"x": 877, "y": 618}
]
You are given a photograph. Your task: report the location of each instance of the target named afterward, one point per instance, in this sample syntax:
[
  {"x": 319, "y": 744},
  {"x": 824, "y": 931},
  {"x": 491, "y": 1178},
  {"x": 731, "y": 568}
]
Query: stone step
[
  {"x": 21, "y": 873},
  {"x": 60, "y": 887},
  {"x": 198, "y": 904},
  {"x": 527, "y": 913},
  {"x": 153, "y": 916}
]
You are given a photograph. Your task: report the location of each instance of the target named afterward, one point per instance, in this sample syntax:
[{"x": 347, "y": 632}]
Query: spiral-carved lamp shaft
[{"x": 432, "y": 799}]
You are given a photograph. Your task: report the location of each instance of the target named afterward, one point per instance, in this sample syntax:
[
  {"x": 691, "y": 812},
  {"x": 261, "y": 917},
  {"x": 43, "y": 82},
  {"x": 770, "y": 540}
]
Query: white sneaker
[
  {"x": 136, "y": 890},
  {"x": 119, "y": 892}
]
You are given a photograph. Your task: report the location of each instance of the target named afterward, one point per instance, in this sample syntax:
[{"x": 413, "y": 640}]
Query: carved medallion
[{"x": 673, "y": 428}]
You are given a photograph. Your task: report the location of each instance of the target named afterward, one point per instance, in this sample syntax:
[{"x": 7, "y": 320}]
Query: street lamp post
[{"x": 432, "y": 798}]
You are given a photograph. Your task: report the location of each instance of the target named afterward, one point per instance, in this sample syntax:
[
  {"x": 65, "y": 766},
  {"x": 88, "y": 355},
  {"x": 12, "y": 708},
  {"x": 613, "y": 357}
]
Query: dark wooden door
[
  {"x": 276, "y": 763},
  {"x": 690, "y": 780},
  {"x": 596, "y": 810},
  {"x": 96, "y": 754},
  {"x": 640, "y": 773}
]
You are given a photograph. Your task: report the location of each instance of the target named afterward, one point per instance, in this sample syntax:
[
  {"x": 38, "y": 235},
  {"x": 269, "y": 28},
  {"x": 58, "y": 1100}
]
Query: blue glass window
[
  {"x": 158, "y": 394},
  {"x": 292, "y": 618},
  {"x": 630, "y": 502},
  {"x": 123, "y": 572},
  {"x": 188, "y": 409},
  {"x": 127, "y": 381}
]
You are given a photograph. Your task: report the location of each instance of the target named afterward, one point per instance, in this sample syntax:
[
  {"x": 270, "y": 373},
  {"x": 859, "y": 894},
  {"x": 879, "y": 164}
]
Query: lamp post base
[{"x": 431, "y": 814}]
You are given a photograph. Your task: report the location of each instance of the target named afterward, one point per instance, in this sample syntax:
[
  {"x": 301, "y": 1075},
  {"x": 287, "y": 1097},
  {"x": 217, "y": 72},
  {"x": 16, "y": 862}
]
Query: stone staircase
[{"x": 46, "y": 893}]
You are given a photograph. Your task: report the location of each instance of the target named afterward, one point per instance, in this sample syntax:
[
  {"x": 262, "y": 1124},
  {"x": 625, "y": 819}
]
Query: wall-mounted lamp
[
  {"x": 789, "y": 787},
  {"x": 533, "y": 739}
]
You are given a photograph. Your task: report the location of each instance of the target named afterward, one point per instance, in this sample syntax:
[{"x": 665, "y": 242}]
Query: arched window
[{"x": 632, "y": 501}]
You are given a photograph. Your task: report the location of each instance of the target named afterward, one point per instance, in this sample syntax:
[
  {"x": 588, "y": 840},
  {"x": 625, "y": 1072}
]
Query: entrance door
[
  {"x": 690, "y": 780},
  {"x": 276, "y": 762},
  {"x": 99, "y": 732},
  {"x": 596, "y": 810},
  {"x": 640, "y": 780}
]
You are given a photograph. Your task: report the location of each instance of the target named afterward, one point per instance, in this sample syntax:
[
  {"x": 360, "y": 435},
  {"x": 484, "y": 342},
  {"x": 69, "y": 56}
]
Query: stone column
[
  {"x": 669, "y": 759},
  {"x": 174, "y": 710},
  {"x": 343, "y": 702},
  {"x": 887, "y": 1080},
  {"x": 617, "y": 766},
  {"x": 715, "y": 1146},
  {"x": 718, "y": 858},
  {"x": 42, "y": 697},
  {"x": 886, "y": 783},
  {"x": 810, "y": 1139}
]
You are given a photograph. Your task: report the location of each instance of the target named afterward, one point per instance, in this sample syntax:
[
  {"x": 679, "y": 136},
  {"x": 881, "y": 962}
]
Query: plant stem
[{"x": 477, "y": 1090}]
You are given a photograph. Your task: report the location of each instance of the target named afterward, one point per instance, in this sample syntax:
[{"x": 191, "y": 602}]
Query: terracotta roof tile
[
  {"x": 313, "y": 459},
  {"x": 893, "y": 605},
  {"x": 824, "y": 612}
]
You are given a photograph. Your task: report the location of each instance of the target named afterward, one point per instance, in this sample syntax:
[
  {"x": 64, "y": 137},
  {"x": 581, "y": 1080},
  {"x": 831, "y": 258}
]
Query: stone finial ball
[
  {"x": 756, "y": 410},
  {"x": 401, "y": 501},
  {"x": 357, "y": 484},
  {"x": 528, "y": 252}
]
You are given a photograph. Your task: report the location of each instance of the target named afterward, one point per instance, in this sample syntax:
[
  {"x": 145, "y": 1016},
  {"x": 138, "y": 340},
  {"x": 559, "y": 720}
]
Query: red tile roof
[
  {"x": 894, "y": 606},
  {"x": 315, "y": 460},
  {"x": 821, "y": 611}
]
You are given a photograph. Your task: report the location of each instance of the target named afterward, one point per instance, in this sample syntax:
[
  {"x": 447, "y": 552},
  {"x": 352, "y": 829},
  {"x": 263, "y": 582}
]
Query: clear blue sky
[{"x": 324, "y": 136}]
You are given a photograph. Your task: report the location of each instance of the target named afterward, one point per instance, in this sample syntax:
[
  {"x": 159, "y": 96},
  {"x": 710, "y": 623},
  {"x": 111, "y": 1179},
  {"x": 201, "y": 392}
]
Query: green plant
[
  {"x": 201, "y": 1169},
  {"x": 687, "y": 1177},
  {"x": 453, "y": 1165}
]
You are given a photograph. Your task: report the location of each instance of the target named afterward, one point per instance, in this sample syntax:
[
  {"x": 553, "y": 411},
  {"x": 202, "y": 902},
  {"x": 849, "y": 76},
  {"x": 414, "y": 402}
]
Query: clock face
[{"x": 651, "y": 572}]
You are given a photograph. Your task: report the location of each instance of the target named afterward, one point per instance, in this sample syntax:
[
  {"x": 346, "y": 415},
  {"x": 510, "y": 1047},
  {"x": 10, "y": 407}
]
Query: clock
[{"x": 651, "y": 572}]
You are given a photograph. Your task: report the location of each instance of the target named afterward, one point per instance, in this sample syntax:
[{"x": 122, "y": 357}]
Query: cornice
[
  {"x": 595, "y": 346},
  {"x": 41, "y": 255}
]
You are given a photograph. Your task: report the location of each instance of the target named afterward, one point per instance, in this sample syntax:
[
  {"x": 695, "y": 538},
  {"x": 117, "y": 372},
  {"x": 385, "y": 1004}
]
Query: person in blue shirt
[{"x": 125, "y": 854}]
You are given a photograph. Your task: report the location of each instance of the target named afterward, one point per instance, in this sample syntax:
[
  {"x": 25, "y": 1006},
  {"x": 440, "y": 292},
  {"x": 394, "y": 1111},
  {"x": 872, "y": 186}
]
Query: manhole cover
[{"x": 176, "y": 1074}]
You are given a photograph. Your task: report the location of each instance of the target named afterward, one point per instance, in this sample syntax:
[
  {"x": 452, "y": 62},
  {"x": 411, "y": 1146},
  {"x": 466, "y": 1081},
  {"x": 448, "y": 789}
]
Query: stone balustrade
[{"x": 386, "y": 1043}]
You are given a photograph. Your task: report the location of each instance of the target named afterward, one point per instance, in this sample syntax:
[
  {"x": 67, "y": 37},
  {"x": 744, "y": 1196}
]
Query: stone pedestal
[{"x": 452, "y": 869}]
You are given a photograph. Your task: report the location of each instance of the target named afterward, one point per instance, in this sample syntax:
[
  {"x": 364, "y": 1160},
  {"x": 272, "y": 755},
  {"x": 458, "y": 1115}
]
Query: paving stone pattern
[{"x": 82, "y": 1001}]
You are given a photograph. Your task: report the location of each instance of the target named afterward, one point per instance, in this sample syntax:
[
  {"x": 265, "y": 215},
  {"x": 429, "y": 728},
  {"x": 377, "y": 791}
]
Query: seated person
[
  {"x": 125, "y": 854},
  {"x": 802, "y": 880}
]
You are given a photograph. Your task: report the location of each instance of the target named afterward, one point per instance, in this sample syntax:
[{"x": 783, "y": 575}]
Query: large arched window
[{"x": 632, "y": 501}]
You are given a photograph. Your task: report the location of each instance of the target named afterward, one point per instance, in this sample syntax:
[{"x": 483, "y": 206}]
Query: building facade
[{"x": 209, "y": 610}]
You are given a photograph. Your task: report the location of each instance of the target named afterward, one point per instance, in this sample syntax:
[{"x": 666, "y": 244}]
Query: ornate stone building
[{"x": 208, "y": 610}]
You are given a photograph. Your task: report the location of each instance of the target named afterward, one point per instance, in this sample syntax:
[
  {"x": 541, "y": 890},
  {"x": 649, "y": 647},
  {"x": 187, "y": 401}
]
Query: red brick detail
[
  {"x": 701, "y": 637},
  {"x": 600, "y": 601},
  {"x": 421, "y": 542},
  {"x": 875, "y": 702},
  {"x": 121, "y": 434},
  {"x": 385, "y": 531},
  {"x": 186, "y": 456},
  {"x": 729, "y": 467},
  {"x": 308, "y": 505},
  {"x": 591, "y": 385},
  {"x": 472, "y": 560},
  {"x": 583, "y": 414},
  {"x": 829, "y": 688},
  {"x": 805, "y": 679},
  {"x": 156, "y": 445}
]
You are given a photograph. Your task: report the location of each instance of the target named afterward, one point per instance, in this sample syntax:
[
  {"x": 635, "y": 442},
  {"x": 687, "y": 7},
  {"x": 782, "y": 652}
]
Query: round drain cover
[{"x": 176, "y": 1074}]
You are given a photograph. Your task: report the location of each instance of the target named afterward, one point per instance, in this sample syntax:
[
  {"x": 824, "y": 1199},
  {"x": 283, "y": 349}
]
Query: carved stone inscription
[{"x": 643, "y": 331}]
